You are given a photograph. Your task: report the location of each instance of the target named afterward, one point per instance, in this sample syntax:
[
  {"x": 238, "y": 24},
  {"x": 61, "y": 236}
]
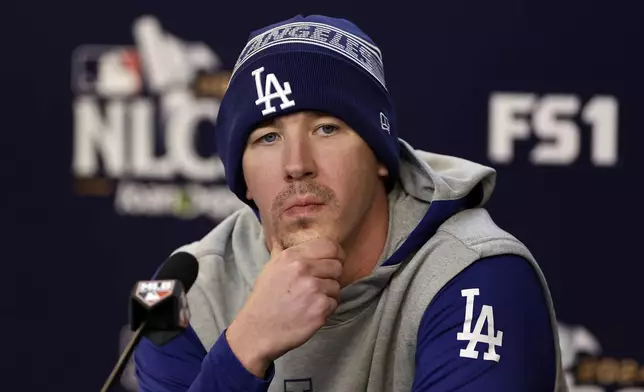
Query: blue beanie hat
[{"x": 312, "y": 63}]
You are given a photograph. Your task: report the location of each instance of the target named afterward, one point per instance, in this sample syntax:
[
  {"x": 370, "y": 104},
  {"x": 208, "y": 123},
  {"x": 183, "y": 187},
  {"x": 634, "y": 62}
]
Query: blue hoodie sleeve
[
  {"x": 182, "y": 365},
  {"x": 488, "y": 329}
]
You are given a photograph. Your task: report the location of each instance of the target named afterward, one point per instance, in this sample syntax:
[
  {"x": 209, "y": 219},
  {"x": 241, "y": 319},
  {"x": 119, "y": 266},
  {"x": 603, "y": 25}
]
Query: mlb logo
[
  {"x": 108, "y": 71},
  {"x": 153, "y": 292}
]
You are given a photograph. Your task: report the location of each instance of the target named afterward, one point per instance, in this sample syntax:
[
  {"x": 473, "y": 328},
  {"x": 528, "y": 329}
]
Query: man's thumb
[{"x": 276, "y": 247}]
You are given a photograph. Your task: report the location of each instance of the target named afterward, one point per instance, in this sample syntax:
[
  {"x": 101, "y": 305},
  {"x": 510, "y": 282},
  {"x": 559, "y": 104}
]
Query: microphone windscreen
[{"x": 181, "y": 266}]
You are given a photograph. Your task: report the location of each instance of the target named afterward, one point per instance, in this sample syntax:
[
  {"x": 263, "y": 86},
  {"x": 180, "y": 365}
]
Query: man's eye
[
  {"x": 327, "y": 129},
  {"x": 268, "y": 138}
]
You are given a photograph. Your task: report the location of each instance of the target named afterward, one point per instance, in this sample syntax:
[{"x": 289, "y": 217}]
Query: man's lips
[{"x": 303, "y": 204}]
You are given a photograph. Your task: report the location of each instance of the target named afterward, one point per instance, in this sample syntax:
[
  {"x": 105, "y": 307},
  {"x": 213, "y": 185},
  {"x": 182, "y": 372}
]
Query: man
[{"x": 361, "y": 264}]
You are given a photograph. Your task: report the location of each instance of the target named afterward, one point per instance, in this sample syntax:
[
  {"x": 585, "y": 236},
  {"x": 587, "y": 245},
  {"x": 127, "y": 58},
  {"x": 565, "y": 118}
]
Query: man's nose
[{"x": 298, "y": 159}]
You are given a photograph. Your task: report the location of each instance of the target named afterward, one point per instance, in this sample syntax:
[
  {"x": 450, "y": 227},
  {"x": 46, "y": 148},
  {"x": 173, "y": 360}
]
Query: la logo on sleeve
[{"x": 475, "y": 337}]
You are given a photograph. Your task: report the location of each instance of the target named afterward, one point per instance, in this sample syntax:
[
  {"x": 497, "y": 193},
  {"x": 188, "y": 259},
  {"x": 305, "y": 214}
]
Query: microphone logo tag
[{"x": 154, "y": 291}]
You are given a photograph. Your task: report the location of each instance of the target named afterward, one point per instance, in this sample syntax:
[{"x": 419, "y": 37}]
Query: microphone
[{"x": 159, "y": 308}]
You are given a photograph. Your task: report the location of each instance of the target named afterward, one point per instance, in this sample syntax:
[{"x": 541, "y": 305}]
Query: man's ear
[
  {"x": 249, "y": 196},
  {"x": 382, "y": 170}
]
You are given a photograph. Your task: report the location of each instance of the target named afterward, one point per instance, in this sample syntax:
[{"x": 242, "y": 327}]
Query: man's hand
[{"x": 292, "y": 298}]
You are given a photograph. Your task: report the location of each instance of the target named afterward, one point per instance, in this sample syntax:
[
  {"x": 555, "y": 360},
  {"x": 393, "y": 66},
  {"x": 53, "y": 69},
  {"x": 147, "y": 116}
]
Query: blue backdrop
[{"x": 109, "y": 162}]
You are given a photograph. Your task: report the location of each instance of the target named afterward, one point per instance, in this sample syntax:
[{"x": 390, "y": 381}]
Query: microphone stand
[{"x": 120, "y": 365}]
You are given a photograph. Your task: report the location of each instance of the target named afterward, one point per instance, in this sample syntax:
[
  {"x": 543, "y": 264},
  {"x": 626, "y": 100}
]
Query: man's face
[{"x": 310, "y": 175}]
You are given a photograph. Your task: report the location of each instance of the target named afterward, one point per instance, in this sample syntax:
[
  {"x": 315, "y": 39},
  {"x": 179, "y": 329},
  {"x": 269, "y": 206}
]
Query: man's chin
[
  {"x": 306, "y": 229},
  {"x": 299, "y": 236}
]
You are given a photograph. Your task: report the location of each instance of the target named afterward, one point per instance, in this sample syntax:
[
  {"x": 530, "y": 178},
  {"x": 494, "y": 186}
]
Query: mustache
[{"x": 321, "y": 192}]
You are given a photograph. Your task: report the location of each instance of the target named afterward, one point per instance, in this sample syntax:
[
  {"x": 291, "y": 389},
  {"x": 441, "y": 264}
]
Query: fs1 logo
[
  {"x": 561, "y": 123},
  {"x": 143, "y": 122}
]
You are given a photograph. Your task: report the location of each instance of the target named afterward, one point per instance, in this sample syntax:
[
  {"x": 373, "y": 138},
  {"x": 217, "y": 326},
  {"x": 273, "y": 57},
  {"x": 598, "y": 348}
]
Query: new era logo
[{"x": 384, "y": 123}]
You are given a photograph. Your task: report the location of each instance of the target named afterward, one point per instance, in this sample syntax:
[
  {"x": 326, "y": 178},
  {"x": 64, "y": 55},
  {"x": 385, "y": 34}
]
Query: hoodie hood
[
  {"x": 434, "y": 177},
  {"x": 433, "y": 187}
]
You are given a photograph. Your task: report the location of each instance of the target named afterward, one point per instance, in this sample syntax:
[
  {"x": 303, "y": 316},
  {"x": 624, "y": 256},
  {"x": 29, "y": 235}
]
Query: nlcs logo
[{"x": 141, "y": 113}]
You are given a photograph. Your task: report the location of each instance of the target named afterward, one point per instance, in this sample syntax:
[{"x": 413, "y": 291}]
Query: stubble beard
[{"x": 303, "y": 229}]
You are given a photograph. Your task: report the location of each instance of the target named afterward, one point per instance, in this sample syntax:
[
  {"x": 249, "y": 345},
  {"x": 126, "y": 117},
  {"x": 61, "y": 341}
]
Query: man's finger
[
  {"x": 321, "y": 248},
  {"x": 326, "y": 268},
  {"x": 331, "y": 288},
  {"x": 276, "y": 247}
]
